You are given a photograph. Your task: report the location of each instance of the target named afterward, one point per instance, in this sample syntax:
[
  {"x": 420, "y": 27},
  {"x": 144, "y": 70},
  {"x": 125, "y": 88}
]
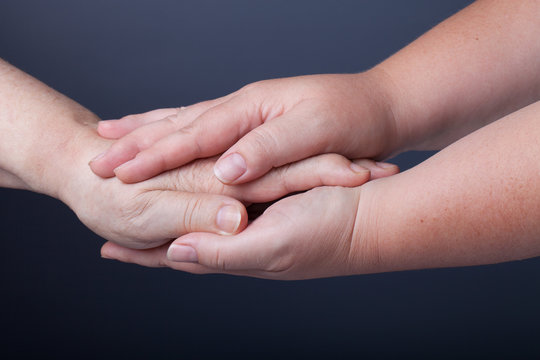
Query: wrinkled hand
[
  {"x": 190, "y": 199},
  {"x": 313, "y": 234},
  {"x": 262, "y": 126}
]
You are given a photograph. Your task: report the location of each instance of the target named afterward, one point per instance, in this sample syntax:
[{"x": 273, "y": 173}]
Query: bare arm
[
  {"x": 473, "y": 68},
  {"x": 37, "y": 124},
  {"x": 470, "y": 70},
  {"x": 475, "y": 202}
]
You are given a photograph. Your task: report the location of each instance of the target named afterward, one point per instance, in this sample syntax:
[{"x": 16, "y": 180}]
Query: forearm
[
  {"x": 470, "y": 70},
  {"x": 39, "y": 132},
  {"x": 475, "y": 202}
]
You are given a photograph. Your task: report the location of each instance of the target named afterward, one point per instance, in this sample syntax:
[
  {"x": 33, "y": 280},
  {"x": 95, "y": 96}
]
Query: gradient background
[{"x": 60, "y": 298}]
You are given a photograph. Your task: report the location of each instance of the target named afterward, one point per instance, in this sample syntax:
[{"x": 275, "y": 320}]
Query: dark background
[{"x": 60, "y": 298}]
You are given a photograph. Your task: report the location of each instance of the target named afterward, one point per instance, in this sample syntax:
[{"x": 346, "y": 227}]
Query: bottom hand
[{"x": 303, "y": 236}]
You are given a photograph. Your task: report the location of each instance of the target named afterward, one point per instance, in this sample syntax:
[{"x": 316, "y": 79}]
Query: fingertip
[
  {"x": 379, "y": 169},
  {"x": 107, "y": 250},
  {"x": 387, "y": 166},
  {"x": 386, "y": 169},
  {"x": 124, "y": 174},
  {"x": 358, "y": 169},
  {"x": 98, "y": 168},
  {"x": 108, "y": 129}
]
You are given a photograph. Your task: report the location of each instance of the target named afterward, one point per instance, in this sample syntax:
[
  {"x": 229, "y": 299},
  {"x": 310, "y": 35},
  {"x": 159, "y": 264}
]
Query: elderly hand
[{"x": 189, "y": 199}]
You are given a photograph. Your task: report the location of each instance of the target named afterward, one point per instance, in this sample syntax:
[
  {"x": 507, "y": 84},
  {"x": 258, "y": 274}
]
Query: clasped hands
[{"x": 260, "y": 144}]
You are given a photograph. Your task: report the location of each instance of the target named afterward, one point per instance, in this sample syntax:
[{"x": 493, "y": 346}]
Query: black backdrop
[{"x": 117, "y": 57}]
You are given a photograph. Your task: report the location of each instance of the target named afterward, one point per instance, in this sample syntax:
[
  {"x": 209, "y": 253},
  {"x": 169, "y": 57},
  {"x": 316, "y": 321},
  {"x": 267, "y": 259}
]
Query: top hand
[
  {"x": 273, "y": 123},
  {"x": 470, "y": 70}
]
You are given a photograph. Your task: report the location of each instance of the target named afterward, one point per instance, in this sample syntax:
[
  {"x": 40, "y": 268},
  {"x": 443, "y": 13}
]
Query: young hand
[
  {"x": 262, "y": 126},
  {"x": 309, "y": 235}
]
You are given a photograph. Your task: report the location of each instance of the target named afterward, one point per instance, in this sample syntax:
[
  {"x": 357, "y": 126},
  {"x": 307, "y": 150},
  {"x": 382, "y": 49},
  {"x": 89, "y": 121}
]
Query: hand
[
  {"x": 54, "y": 141},
  {"x": 264, "y": 125},
  {"x": 314, "y": 234},
  {"x": 190, "y": 199},
  {"x": 454, "y": 209}
]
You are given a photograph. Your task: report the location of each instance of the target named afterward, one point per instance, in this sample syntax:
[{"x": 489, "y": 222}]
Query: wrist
[
  {"x": 58, "y": 154},
  {"x": 382, "y": 97},
  {"x": 39, "y": 133},
  {"x": 365, "y": 251}
]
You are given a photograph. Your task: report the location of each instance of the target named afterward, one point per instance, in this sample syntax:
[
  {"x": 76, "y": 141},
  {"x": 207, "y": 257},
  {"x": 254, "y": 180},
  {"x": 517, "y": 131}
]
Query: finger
[
  {"x": 210, "y": 134},
  {"x": 152, "y": 257},
  {"x": 155, "y": 258},
  {"x": 320, "y": 170},
  {"x": 257, "y": 248},
  {"x": 298, "y": 134},
  {"x": 128, "y": 146},
  {"x": 163, "y": 215},
  {"x": 114, "y": 129},
  {"x": 146, "y": 129},
  {"x": 377, "y": 169},
  {"x": 141, "y": 138}
]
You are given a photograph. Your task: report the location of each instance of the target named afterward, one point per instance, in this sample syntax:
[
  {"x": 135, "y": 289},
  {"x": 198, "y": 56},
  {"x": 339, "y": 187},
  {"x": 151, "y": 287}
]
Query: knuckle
[
  {"x": 251, "y": 87},
  {"x": 157, "y": 160},
  {"x": 219, "y": 261},
  {"x": 133, "y": 220},
  {"x": 263, "y": 143},
  {"x": 283, "y": 173},
  {"x": 332, "y": 158},
  {"x": 141, "y": 141},
  {"x": 191, "y": 132},
  {"x": 125, "y": 145},
  {"x": 195, "y": 178},
  {"x": 130, "y": 117},
  {"x": 191, "y": 216}
]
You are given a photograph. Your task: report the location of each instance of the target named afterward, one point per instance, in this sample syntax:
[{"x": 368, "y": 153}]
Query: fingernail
[
  {"x": 358, "y": 169},
  {"x": 104, "y": 123},
  {"x": 230, "y": 168},
  {"x": 228, "y": 219},
  {"x": 99, "y": 156},
  {"x": 127, "y": 164},
  {"x": 182, "y": 253},
  {"x": 383, "y": 165}
]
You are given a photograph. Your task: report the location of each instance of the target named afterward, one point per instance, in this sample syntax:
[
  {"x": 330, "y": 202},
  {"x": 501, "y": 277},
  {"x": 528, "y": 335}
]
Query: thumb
[
  {"x": 295, "y": 135},
  {"x": 254, "y": 250}
]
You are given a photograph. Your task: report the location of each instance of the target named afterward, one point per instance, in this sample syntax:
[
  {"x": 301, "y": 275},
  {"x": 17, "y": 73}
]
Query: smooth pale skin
[
  {"x": 47, "y": 140},
  {"x": 470, "y": 70},
  {"x": 476, "y": 202}
]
